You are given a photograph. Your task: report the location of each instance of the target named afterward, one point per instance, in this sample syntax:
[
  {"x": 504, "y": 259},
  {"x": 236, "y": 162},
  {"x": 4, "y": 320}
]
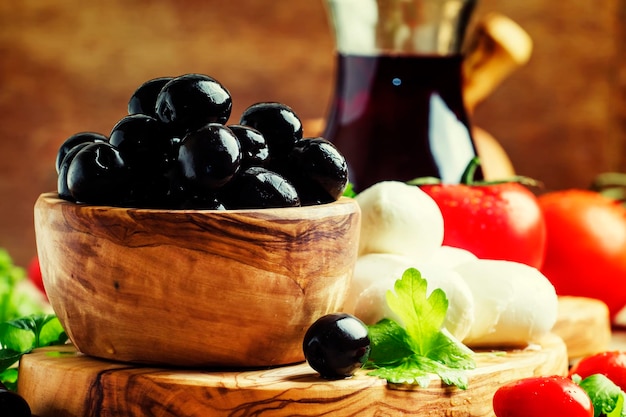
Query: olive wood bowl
[{"x": 195, "y": 288}]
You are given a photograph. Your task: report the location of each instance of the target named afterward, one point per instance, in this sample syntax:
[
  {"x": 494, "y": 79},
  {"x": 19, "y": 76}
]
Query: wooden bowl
[{"x": 195, "y": 288}]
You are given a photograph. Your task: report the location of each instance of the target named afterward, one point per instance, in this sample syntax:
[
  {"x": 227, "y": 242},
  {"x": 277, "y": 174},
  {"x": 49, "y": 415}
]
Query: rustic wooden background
[{"x": 71, "y": 66}]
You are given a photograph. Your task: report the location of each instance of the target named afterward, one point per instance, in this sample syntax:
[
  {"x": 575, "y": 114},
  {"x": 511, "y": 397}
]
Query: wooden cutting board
[
  {"x": 584, "y": 325},
  {"x": 58, "y": 381}
]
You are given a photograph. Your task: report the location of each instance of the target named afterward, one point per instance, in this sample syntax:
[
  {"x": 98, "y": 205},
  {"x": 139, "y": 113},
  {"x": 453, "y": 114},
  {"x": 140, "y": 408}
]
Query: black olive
[
  {"x": 318, "y": 170},
  {"x": 254, "y": 149},
  {"x": 258, "y": 187},
  {"x": 209, "y": 157},
  {"x": 98, "y": 175},
  {"x": 77, "y": 139},
  {"x": 143, "y": 100},
  {"x": 336, "y": 345},
  {"x": 12, "y": 404},
  {"x": 188, "y": 102},
  {"x": 279, "y": 125},
  {"x": 62, "y": 188}
]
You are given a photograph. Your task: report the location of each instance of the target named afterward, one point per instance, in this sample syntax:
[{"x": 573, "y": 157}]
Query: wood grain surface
[
  {"x": 195, "y": 287},
  {"x": 78, "y": 386},
  {"x": 584, "y": 325}
]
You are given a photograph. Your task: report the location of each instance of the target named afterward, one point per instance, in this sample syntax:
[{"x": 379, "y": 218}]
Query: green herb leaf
[
  {"x": 391, "y": 341},
  {"x": 619, "y": 410},
  {"x": 422, "y": 316},
  {"x": 349, "y": 191},
  {"x": 412, "y": 352},
  {"x": 607, "y": 398},
  {"x": 20, "y": 336},
  {"x": 9, "y": 378},
  {"x": 406, "y": 371},
  {"x": 15, "y": 299},
  {"x": 8, "y": 357},
  {"x": 50, "y": 331}
]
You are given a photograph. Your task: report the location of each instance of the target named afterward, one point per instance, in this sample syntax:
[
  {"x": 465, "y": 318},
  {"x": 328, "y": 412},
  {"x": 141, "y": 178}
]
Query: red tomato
[
  {"x": 586, "y": 246},
  {"x": 544, "y": 396},
  {"x": 497, "y": 221},
  {"x": 33, "y": 272},
  {"x": 610, "y": 364}
]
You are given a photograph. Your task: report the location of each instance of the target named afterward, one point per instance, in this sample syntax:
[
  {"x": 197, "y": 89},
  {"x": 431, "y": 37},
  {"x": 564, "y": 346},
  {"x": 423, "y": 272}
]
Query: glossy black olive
[
  {"x": 279, "y": 125},
  {"x": 318, "y": 170},
  {"x": 77, "y": 139},
  {"x": 143, "y": 100},
  {"x": 98, "y": 175},
  {"x": 188, "y": 102},
  {"x": 13, "y": 405},
  {"x": 258, "y": 187},
  {"x": 255, "y": 151},
  {"x": 62, "y": 188},
  {"x": 336, "y": 345},
  {"x": 209, "y": 158}
]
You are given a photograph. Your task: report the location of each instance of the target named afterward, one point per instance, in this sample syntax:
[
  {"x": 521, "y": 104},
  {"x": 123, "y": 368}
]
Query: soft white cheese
[
  {"x": 514, "y": 304},
  {"x": 400, "y": 219},
  {"x": 375, "y": 274},
  {"x": 449, "y": 256},
  {"x": 491, "y": 303}
]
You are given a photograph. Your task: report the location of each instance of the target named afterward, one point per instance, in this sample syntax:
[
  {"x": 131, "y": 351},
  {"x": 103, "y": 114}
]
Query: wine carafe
[{"x": 397, "y": 111}]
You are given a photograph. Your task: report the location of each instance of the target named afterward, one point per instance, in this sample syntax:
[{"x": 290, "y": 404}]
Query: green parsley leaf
[
  {"x": 607, "y": 398},
  {"x": 405, "y": 371},
  {"x": 411, "y": 354},
  {"x": 391, "y": 341},
  {"x": 422, "y": 317}
]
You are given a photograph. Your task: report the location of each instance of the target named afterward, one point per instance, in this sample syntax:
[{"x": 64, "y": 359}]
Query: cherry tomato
[
  {"x": 543, "y": 396},
  {"x": 610, "y": 364},
  {"x": 493, "y": 221},
  {"x": 586, "y": 246}
]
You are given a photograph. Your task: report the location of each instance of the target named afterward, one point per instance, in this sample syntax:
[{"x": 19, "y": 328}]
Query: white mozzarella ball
[
  {"x": 375, "y": 274},
  {"x": 514, "y": 303},
  {"x": 449, "y": 256},
  {"x": 372, "y": 268},
  {"x": 400, "y": 219}
]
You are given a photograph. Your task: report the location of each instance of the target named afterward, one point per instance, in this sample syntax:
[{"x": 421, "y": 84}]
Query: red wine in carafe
[{"x": 399, "y": 117}]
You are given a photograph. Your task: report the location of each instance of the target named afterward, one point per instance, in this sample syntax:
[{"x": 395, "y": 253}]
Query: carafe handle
[{"x": 496, "y": 48}]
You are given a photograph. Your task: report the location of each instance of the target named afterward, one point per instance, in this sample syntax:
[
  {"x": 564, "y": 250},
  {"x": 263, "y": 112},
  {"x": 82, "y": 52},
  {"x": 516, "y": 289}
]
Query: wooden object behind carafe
[{"x": 496, "y": 48}]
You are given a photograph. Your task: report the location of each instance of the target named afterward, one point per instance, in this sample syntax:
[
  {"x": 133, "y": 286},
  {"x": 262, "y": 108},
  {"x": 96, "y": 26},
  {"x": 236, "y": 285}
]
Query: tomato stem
[
  {"x": 468, "y": 176},
  {"x": 611, "y": 185}
]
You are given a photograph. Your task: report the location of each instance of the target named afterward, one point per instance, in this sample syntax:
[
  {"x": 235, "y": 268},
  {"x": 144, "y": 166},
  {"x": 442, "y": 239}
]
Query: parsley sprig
[{"x": 412, "y": 352}]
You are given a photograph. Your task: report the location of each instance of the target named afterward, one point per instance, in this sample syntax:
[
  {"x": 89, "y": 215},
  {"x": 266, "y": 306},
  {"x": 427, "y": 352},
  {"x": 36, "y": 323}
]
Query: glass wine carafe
[{"x": 397, "y": 111}]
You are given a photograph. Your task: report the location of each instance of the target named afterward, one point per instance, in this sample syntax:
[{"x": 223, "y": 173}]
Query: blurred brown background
[{"x": 71, "y": 66}]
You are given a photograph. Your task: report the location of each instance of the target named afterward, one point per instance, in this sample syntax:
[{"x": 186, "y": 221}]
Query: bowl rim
[{"x": 52, "y": 198}]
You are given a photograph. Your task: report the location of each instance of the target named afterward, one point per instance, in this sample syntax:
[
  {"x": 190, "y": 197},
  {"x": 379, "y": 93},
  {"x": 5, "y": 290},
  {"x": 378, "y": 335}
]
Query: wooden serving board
[
  {"x": 584, "y": 325},
  {"x": 58, "y": 381}
]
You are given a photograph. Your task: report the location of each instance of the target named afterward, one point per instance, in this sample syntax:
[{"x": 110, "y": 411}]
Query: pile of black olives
[{"x": 174, "y": 150}]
